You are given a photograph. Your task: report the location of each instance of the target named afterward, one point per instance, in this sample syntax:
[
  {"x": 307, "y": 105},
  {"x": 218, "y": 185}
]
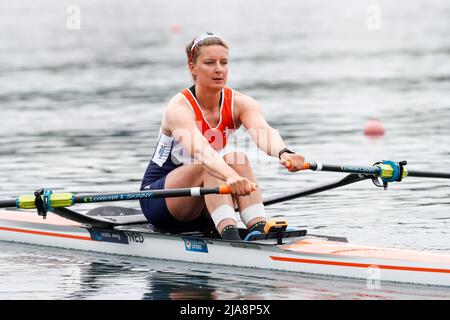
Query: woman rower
[{"x": 194, "y": 132}]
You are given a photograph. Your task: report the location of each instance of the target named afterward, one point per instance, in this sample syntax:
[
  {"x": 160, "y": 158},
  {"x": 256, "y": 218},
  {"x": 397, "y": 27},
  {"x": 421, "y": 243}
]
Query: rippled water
[
  {"x": 80, "y": 111},
  {"x": 57, "y": 274}
]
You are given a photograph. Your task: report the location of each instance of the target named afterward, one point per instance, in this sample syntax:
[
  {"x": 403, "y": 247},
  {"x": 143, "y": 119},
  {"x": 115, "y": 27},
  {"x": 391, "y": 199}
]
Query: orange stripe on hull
[
  {"x": 50, "y": 234},
  {"x": 359, "y": 265}
]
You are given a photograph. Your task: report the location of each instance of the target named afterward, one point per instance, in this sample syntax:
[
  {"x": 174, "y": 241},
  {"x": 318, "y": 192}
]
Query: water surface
[{"x": 80, "y": 111}]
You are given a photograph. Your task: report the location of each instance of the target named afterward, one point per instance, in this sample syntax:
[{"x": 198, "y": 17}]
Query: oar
[
  {"x": 388, "y": 171},
  {"x": 351, "y": 178},
  {"x": 383, "y": 170},
  {"x": 46, "y": 199}
]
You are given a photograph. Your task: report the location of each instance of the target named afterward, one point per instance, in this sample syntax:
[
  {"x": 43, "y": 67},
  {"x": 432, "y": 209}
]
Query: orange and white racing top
[
  {"x": 169, "y": 149},
  {"x": 216, "y": 136}
]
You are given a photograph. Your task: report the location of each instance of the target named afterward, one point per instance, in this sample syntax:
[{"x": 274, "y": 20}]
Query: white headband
[{"x": 204, "y": 37}]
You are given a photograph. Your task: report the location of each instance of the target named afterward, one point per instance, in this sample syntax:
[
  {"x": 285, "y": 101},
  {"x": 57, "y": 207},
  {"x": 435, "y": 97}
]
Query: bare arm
[
  {"x": 266, "y": 138},
  {"x": 180, "y": 121}
]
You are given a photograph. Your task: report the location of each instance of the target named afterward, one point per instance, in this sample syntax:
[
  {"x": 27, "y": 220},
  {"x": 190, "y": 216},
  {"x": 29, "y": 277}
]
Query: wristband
[{"x": 283, "y": 151}]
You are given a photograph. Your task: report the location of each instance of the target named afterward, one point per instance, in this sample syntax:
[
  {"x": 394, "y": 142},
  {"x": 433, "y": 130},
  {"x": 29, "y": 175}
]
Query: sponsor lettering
[
  {"x": 108, "y": 236},
  {"x": 135, "y": 237},
  {"x": 195, "y": 245},
  {"x": 357, "y": 169}
]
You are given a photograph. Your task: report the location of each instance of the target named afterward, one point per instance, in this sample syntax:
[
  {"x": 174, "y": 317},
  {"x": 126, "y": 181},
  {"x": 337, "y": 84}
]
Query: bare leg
[
  {"x": 186, "y": 176},
  {"x": 190, "y": 208},
  {"x": 239, "y": 162},
  {"x": 214, "y": 201}
]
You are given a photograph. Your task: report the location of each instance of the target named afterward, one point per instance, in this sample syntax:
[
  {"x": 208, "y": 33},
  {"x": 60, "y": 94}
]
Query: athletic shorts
[{"x": 159, "y": 216}]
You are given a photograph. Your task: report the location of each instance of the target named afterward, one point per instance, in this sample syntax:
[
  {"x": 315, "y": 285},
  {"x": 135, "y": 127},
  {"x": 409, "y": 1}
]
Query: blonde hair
[{"x": 193, "y": 54}]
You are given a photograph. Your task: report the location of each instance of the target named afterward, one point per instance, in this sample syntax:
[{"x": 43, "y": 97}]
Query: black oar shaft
[
  {"x": 151, "y": 194},
  {"x": 428, "y": 174},
  {"x": 7, "y": 203},
  {"x": 56, "y": 200},
  {"x": 349, "y": 179},
  {"x": 373, "y": 171},
  {"x": 343, "y": 168}
]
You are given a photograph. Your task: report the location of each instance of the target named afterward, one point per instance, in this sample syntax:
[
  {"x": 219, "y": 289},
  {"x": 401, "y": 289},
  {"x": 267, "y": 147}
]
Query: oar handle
[
  {"x": 306, "y": 165},
  {"x": 226, "y": 189}
]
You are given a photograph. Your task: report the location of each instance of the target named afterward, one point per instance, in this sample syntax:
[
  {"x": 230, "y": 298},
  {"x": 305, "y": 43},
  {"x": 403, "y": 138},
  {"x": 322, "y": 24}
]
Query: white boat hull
[{"x": 312, "y": 255}]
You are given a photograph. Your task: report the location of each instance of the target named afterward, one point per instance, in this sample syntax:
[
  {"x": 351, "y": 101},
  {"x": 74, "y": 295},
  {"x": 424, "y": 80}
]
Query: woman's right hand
[{"x": 240, "y": 186}]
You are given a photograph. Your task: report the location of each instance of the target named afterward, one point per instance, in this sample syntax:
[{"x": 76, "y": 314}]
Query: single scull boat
[{"x": 124, "y": 231}]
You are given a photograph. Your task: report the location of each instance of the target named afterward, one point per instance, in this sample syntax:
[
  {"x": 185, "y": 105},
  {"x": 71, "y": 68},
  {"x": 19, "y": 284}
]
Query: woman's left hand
[{"x": 293, "y": 162}]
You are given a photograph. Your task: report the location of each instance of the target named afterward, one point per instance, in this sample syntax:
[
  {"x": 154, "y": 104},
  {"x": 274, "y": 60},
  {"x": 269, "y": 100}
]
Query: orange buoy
[
  {"x": 374, "y": 128},
  {"x": 175, "y": 28}
]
